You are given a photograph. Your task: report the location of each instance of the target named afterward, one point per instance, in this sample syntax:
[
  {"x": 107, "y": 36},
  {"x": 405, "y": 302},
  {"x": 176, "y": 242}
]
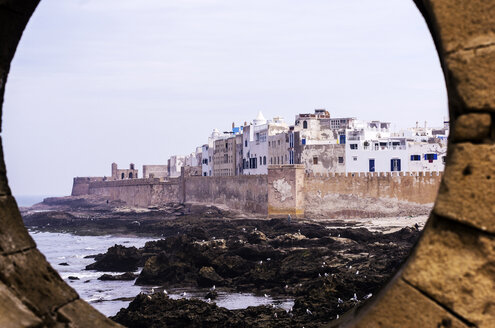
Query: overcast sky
[{"x": 98, "y": 81}]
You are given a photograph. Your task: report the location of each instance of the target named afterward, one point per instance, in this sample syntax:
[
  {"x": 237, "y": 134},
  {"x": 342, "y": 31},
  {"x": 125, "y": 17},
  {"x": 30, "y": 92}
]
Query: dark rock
[
  {"x": 207, "y": 276},
  {"x": 124, "y": 276},
  {"x": 211, "y": 295},
  {"x": 118, "y": 258},
  {"x": 73, "y": 278},
  {"x": 64, "y": 264}
]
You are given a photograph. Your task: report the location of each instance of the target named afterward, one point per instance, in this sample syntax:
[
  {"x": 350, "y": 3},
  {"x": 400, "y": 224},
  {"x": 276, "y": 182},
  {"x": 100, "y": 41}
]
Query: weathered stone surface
[
  {"x": 456, "y": 266},
  {"x": 404, "y": 306},
  {"x": 4, "y": 185},
  {"x": 13, "y": 234},
  {"x": 80, "y": 314},
  {"x": 472, "y": 78},
  {"x": 472, "y": 127},
  {"x": 462, "y": 24},
  {"x": 34, "y": 281},
  {"x": 13, "y": 313},
  {"x": 467, "y": 191}
]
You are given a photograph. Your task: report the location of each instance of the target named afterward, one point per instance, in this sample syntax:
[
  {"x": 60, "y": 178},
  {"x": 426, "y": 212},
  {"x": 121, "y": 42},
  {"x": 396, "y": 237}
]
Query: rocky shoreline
[{"x": 327, "y": 270}]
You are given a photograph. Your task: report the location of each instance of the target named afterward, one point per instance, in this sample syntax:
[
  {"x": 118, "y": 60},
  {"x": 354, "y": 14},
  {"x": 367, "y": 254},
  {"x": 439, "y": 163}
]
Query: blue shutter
[
  {"x": 435, "y": 156},
  {"x": 391, "y": 165},
  {"x": 412, "y": 157},
  {"x": 398, "y": 165}
]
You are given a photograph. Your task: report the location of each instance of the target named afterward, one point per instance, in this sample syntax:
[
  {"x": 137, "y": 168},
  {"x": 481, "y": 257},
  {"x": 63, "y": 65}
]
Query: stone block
[
  {"x": 455, "y": 265},
  {"x": 80, "y": 314},
  {"x": 404, "y": 306},
  {"x": 13, "y": 313},
  {"x": 463, "y": 24},
  {"x": 471, "y": 77},
  {"x": 467, "y": 191},
  {"x": 13, "y": 235},
  {"x": 35, "y": 282},
  {"x": 472, "y": 127}
]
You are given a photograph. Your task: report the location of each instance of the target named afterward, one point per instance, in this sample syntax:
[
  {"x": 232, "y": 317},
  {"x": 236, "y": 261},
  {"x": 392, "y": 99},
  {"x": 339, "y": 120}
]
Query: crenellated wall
[{"x": 285, "y": 190}]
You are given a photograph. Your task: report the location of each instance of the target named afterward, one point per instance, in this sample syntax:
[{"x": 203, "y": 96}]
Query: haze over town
[{"x": 125, "y": 81}]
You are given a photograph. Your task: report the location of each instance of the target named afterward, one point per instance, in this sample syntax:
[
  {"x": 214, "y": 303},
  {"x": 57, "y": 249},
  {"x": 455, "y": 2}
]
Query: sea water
[{"x": 110, "y": 296}]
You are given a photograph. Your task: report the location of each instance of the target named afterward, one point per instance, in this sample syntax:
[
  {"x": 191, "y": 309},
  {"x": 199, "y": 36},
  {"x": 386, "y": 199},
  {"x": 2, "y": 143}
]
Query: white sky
[{"x": 98, "y": 81}]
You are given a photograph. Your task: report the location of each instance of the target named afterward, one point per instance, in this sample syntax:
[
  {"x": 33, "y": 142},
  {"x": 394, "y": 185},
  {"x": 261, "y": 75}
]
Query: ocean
[{"x": 108, "y": 297}]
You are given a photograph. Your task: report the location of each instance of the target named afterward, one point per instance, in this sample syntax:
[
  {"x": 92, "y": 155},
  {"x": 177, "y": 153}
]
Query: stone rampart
[
  {"x": 137, "y": 192},
  {"x": 369, "y": 194},
  {"x": 80, "y": 186},
  {"x": 247, "y": 193}
]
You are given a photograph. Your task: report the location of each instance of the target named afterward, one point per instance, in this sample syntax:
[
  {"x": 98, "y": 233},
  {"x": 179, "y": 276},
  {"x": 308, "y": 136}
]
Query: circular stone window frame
[{"x": 449, "y": 278}]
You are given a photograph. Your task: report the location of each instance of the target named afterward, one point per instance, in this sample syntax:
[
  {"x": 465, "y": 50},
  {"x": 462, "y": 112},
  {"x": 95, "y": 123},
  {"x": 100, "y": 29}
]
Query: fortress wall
[
  {"x": 247, "y": 193},
  {"x": 80, "y": 186},
  {"x": 137, "y": 192},
  {"x": 369, "y": 192}
]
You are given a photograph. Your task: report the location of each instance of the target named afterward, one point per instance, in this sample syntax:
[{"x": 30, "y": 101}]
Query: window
[
  {"x": 264, "y": 160},
  {"x": 315, "y": 160},
  {"x": 261, "y": 160},
  {"x": 123, "y": 176},
  {"x": 268, "y": 143},
  {"x": 430, "y": 157},
  {"x": 130, "y": 175},
  {"x": 305, "y": 124},
  {"x": 245, "y": 143},
  {"x": 278, "y": 142},
  {"x": 395, "y": 165},
  {"x": 271, "y": 160},
  {"x": 415, "y": 157},
  {"x": 303, "y": 141},
  {"x": 354, "y": 146},
  {"x": 341, "y": 160},
  {"x": 354, "y": 158},
  {"x": 444, "y": 159}
]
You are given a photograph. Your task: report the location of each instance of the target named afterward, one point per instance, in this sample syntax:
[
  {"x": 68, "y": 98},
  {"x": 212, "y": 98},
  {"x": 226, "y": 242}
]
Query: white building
[
  {"x": 175, "y": 164},
  {"x": 372, "y": 148},
  {"x": 260, "y": 144}
]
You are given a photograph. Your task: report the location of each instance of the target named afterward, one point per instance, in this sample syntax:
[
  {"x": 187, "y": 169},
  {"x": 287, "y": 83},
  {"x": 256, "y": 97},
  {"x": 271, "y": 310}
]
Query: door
[
  {"x": 372, "y": 165},
  {"x": 395, "y": 165}
]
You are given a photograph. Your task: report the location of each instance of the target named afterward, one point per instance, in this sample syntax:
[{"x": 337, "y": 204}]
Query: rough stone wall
[
  {"x": 138, "y": 192},
  {"x": 155, "y": 171},
  {"x": 247, "y": 193},
  {"x": 415, "y": 187},
  {"x": 286, "y": 190},
  {"x": 327, "y": 158},
  {"x": 80, "y": 186}
]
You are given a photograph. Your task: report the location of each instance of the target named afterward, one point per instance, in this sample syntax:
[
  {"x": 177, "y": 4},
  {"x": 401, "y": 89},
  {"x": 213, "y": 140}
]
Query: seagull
[
  {"x": 165, "y": 291},
  {"x": 184, "y": 294},
  {"x": 213, "y": 237},
  {"x": 255, "y": 229},
  {"x": 275, "y": 315},
  {"x": 243, "y": 229},
  {"x": 319, "y": 275},
  {"x": 340, "y": 301},
  {"x": 309, "y": 312},
  {"x": 286, "y": 286},
  {"x": 208, "y": 300},
  {"x": 213, "y": 288},
  {"x": 354, "y": 298},
  {"x": 268, "y": 259},
  {"x": 152, "y": 290},
  {"x": 149, "y": 297},
  {"x": 326, "y": 274},
  {"x": 266, "y": 296},
  {"x": 337, "y": 316},
  {"x": 324, "y": 263},
  {"x": 338, "y": 235},
  {"x": 261, "y": 262},
  {"x": 357, "y": 272},
  {"x": 368, "y": 296},
  {"x": 350, "y": 267}
]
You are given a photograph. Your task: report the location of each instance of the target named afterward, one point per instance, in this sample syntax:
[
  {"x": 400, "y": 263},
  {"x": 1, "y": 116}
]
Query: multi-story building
[
  {"x": 371, "y": 147},
  {"x": 256, "y": 152},
  {"x": 224, "y": 156},
  {"x": 175, "y": 164},
  {"x": 314, "y": 142}
]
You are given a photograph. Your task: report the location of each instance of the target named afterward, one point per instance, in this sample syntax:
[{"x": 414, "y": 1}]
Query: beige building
[{"x": 224, "y": 157}]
